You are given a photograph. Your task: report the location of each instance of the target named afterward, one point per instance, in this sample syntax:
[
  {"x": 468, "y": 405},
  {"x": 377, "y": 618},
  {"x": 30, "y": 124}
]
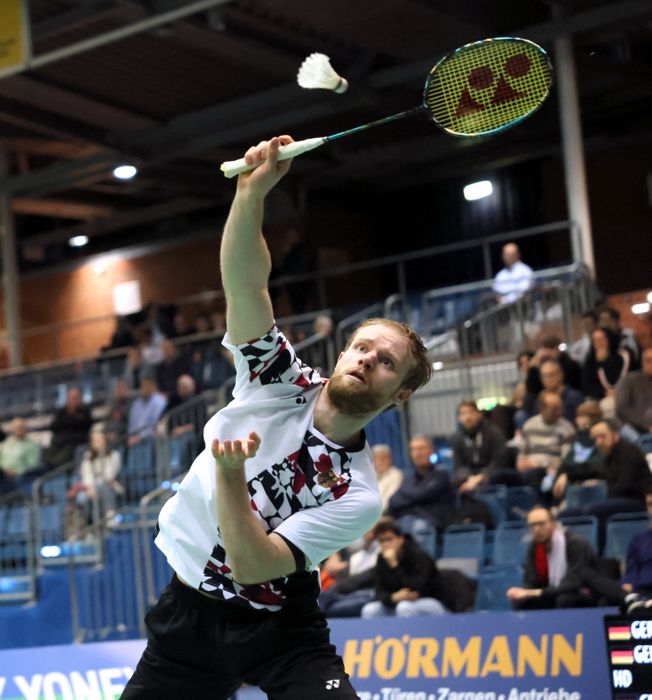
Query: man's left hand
[{"x": 230, "y": 455}]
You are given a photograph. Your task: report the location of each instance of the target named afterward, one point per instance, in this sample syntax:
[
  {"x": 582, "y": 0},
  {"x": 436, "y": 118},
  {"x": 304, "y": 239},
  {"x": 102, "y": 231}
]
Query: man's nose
[{"x": 368, "y": 360}]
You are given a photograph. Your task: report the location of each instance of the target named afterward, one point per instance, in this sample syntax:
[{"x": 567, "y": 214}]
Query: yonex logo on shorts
[{"x": 332, "y": 684}]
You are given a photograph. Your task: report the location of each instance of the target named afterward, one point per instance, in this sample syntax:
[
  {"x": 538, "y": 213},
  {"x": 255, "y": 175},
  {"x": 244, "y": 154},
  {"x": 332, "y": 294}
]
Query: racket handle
[{"x": 231, "y": 168}]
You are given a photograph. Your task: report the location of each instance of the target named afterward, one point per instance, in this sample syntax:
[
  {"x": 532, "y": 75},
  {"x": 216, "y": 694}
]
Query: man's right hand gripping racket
[{"x": 478, "y": 89}]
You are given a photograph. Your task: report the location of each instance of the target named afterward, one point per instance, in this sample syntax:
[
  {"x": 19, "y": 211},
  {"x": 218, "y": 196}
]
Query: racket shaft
[{"x": 231, "y": 168}]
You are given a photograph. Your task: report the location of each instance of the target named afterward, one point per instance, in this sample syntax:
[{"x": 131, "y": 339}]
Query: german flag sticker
[
  {"x": 622, "y": 658},
  {"x": 620, "y": 634}
]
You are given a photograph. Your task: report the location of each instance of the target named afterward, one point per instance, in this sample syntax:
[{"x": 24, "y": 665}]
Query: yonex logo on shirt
[{"x": 332, "y": 684}]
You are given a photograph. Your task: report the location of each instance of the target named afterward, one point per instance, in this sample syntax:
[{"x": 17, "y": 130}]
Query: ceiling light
[
  {"x": 649, "y": 297},
  {"x": 124, "y": 172},
  {"x": 641, "y": 308},
  {"x": 437, "y": 366},
  {"x": 77, "y": 241},
  {"x": 478, "y": 190}
]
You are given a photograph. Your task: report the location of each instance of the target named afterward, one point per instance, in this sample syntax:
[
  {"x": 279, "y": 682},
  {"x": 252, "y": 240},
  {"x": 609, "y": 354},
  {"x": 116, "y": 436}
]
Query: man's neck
[{"x": 342, "y": 428}]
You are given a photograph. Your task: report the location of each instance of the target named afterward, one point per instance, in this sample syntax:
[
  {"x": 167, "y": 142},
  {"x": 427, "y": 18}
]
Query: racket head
[{"x": 487, "y": 86}]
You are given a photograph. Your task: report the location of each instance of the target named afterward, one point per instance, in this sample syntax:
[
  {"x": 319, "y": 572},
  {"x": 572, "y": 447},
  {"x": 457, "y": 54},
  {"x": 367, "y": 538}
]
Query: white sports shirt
[{"x": 318, "y": 495}]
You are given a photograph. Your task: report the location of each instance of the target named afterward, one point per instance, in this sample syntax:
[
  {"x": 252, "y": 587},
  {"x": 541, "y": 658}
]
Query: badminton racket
[{"x": 478, "y": 89}]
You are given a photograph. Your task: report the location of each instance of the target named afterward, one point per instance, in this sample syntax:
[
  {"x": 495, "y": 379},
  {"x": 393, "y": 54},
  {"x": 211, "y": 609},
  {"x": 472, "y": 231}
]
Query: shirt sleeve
[
  {"x": 320, "y": 531},
  {"x": 269, "y": 361}
]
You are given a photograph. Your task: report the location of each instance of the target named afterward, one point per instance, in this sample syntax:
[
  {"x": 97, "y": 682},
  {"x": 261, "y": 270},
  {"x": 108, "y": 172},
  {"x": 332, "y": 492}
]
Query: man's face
[
  {"x": 510, "y": 254},
  {"x": 604, "y": 438},
  {"x": 541, "y": 525},
  {"x": 588, "y": 324},
  {"x": 73, "y": 400},
  {"x": 552, "y": 377},
  {"x": 420, "y": 451},
  {"x": 19, "y": 428},
  {"x": 469, "y": 417},
  {"x": 147, "y": 387},
  {"x": 551, "y": 409},
  {"x": 647, "y": 362},
  {"x": 390, "y": 541},
  {"x": 369, "y": 373}
]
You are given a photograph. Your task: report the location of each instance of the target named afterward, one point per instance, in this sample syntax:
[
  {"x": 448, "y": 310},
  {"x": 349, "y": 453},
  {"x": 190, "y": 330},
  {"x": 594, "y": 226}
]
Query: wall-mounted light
[
  {"x": 125, "y": 172},
  {"x": 649, "y": 297},
  {"x": 642, "y": 308},
  {"x": 77, "y": 241},
  {"x": 437, "y": 366},
  {"x": 478, "y": 190}
]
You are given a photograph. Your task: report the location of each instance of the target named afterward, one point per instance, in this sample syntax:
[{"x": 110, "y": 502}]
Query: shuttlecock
[{"x": 316, "y": 72}]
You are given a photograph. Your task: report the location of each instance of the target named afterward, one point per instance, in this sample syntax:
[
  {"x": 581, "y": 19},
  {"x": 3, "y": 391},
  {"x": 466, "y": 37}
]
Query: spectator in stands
[
  {"x": 70, "y": 428},
  {"x": 145, "y": 411},
  {"x": 515, "y": 279},
  {"x": 117, "y": 420},
  {"x": 192, "y": 420},
  {"x": 407, "y": 579},
  {"x": 123, "y": 335},
  {"x": 634, "y": 399},
  {"x": 580, "y": 348},
  {"x": 218, "y": 322},
  {"x": 99, "y": 477},
  {"x": 150, "y": 349},
  {"x": 133, "y": 367},
  {"x": 552, "y": 378},
  {"x": 549, "y": 350},
  {"x": 20, "y": 457},
  {"x": 555, "y": 565},
  {"x": 637, "y": 580},
  {"x": 389, "y": 476},
  {"x": 605, "y": 365},
  {"x": 583, "y": 463},
  {"x": 181, "y": 326},
  {"x": 427, "y": 493},
  {"x": 523, "y": 363},
  {"x": 478, "y": 449},
  {"x": 322, "y": 356},
  {"x": 609, "y": 318},
  {"x": 545, "y": 440},
  {"x": 173, "y": 364},
  {"x": 203, "y": 323}
]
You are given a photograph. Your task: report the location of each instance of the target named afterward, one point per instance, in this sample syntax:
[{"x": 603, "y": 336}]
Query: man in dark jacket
[
  {"x": 69, "y": 428},
  {"x": 549, "y": 350},
  {"x": 407, "y": 579},
  {"x": 427, "y": 493},
  {"x": 555, "y": 565}
]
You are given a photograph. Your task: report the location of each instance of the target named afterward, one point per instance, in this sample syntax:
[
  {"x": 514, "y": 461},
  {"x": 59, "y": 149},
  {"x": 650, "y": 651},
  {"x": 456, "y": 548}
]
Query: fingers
[
  {"x": 267, "y": 151},
  {"x": 236, "y": 449}
]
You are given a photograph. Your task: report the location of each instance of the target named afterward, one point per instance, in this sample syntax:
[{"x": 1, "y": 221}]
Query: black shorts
[{"x": 200, "y": 648}]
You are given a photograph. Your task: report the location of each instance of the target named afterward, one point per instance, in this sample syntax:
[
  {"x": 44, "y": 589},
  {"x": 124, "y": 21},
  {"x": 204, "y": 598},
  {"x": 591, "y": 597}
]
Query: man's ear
[{"x": 402, "y": 395}]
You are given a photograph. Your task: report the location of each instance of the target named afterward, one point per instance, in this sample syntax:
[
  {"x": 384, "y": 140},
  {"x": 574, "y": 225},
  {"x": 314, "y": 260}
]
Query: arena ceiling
[{"x": 177, "y": 87}]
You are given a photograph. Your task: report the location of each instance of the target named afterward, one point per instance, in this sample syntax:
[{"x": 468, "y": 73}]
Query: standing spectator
[
  {"x": 552, "y": 378},
  {"x": 171, "y": 367},
  {"x": 478, "y": 449},
  {"x": 555, "y": 566},
  {"x": 20, "y": 458},
  {"x": 545, "y": 440},
  {"x": 634, "y": 399},
  {"x": 145, "y": 411},
  {"x": 609, "y": 318},
  {"x": 427, "y": 493},
  {"x": 123, "y": 335},
  {"x": 115, "y": 424},
  {"x": 549, "y": 350},
  {"x": 605, "y": 366},
  {"x": 389, "y": 477},
  {"x": 70, "y": 428},
  {"x": 583, "y": 463},
  {"x": 637, "y": 580},
  {"x": 515, "y": 279},
  {"x": 580, "y": 348},
  {"x": 407, "y": 579}
]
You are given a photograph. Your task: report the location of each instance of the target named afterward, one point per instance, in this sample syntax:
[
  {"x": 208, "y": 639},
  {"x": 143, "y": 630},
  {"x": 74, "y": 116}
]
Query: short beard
[{"x": 353, "y": 400}]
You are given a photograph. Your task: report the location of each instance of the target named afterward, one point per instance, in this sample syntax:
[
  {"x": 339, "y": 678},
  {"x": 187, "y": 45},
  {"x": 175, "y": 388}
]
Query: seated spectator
[
  {"x": 182, "y": 422},
  {"x": 545, "y": 440},
  {"x": 556, "y": 564},
  {"x": 605, "y": 365},
  {"x": 20, "y": 458},
  {"x": 203, "y": 323},
  {"x": 515, "y": 279},
  {"x": 552, "y": 379},
  {"x": 549, "y": 350},
  {"x": 478, "y": 450},
  {"x": 580, "y": 348},
  {"x": 354, "y": 582},
  {"x": 389, "y": 477},
  {"x": 427, "y": 492},
  {"x": 99, "y": 478},
  {"x": 146, "y": 411},
  {"x": 634, "y": 400},
  {"x": 173, "y": 364},
  {"x": 583, "y": 463},
  {"x": 407, "y": 579},
  {"x": 609, "y": 318},
  {"x": 133, "y": 367},
  {"x": 181, "y": 326},
  {"x": 218, "y": 322},
  {"x": 70, "y": 428},
  {"x": 150, "y": 348},
  {"x": 117, "y": 420}
]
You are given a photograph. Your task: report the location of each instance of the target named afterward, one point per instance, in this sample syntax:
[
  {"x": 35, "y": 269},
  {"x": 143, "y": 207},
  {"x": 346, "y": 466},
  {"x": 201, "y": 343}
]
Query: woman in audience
[{"x": 605, "y": 365}]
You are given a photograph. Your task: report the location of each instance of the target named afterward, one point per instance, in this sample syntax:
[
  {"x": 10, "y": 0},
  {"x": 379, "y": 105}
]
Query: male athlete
[{"x": 287, "y": 479}]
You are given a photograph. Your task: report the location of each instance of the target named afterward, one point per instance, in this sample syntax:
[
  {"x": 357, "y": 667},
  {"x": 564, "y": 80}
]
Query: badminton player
[{"x": 286, "y": 479}]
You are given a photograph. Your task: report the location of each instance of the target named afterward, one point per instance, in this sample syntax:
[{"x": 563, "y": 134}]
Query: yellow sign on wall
[{"x": 14, "y": 35}]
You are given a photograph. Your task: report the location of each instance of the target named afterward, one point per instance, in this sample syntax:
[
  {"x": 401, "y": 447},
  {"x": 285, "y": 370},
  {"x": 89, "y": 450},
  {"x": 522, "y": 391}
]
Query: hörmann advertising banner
[{"x": 483, "y": 656}]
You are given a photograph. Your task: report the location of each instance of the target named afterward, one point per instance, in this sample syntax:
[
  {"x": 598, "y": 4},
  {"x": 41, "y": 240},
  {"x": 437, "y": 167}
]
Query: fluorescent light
[
  {"x": 77, "y": 241},
  {"x": 437, "y": 366},
  {"x": 50, "y": 551},
  {"x": 649, "y": 297},
  {"x": 124, "y": 172},
  {"x": 562, "y": 347},
  {"x": 641, "y": 308},
  {"x": 478, "y": 190}
]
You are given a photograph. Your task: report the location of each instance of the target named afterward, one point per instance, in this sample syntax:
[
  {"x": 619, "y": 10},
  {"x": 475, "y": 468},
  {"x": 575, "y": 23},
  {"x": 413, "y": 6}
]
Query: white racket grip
[{"x": 231, "y": 168}]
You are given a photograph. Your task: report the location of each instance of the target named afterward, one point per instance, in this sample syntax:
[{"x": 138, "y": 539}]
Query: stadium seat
[
  {"x": 495, "y": 498},
  {"x": 493, "y": 582},
  {"x": 519, "y": 500},
  {"x": 464, "y": 541},
  {"x": 584, "y": 525},
  {"x": 511, "y": 542},
  {"x": 425, "y": 536},
  {"x": 620, "y": 530},
  {"x": 578, "y": 496}
]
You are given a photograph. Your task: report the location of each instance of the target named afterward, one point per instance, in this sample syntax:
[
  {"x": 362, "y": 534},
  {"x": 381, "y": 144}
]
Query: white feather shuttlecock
[{"x": 316, "y": 72}]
